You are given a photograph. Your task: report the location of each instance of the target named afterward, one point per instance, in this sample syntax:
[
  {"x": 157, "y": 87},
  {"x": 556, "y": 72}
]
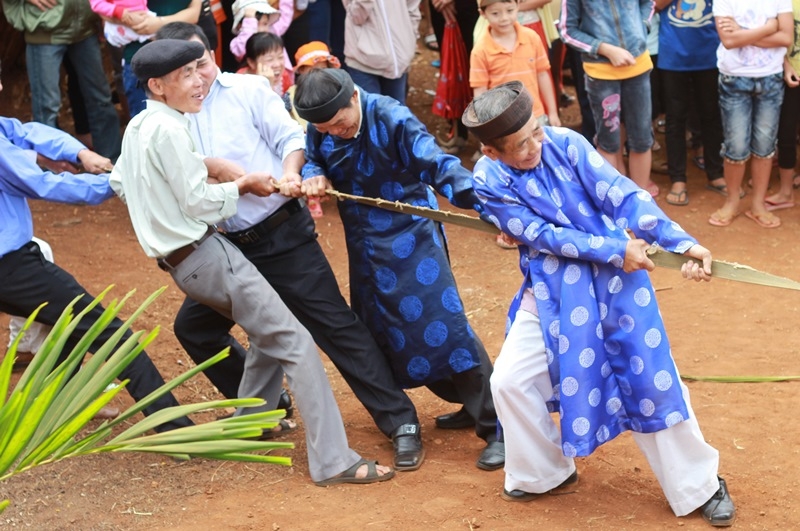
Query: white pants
[
  {"x": 685, "y": 465},
  {"x": 36, "y": 334}
]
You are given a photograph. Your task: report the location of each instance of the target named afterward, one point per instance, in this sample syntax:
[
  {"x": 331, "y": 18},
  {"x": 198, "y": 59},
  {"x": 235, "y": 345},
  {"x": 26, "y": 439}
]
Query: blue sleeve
[
  {"x": 505, "y": 209},
  {"x": 52, "y": 143},
  {"x": 418, "y": 151},
  {"x": 20, "y": 176},
  {"x": 623, "y": 201},
  {"x": 647, "y": 8},
  {"x": 569, "y": 27},
  {"x": 315, "y": 162}
]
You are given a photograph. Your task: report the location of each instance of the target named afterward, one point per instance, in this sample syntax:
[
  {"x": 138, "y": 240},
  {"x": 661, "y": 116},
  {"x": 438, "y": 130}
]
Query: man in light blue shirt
[{"x": 27, "y": 279}]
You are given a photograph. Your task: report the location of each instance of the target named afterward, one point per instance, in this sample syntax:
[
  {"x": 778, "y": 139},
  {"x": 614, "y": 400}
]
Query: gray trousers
[{"x": 218, "y": 275}]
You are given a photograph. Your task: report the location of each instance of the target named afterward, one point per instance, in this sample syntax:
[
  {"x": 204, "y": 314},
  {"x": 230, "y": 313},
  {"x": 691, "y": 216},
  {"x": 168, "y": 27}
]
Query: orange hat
[{"x": 314, "y": 52}]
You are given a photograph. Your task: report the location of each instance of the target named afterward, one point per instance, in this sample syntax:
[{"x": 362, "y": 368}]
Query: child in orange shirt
[{"x": 508, "y": 51}]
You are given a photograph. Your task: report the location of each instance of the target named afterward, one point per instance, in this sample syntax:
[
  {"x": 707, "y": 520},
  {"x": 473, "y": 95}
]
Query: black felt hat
[{"x": 159, "y": 58}]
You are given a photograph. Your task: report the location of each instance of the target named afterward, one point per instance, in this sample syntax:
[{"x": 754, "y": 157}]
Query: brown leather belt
[
  {"x": 263, "y": 228},
  {"x": 173, "y": 259}
]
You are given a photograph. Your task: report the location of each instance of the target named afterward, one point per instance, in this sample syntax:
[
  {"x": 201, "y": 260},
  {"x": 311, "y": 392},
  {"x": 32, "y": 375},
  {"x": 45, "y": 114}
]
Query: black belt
[
  {"x": 263, "y": 228},
  {"x": 173, "y": 259}
]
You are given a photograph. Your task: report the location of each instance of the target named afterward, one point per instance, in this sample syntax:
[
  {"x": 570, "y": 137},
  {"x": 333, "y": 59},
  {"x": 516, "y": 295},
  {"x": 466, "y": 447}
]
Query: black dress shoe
[
  {"x": 408, "y": 451},
  {"x": 719, "y": 511},
  {"x": 285, "y": 402},
  {"x": 522, "y": 496},
  {"x": 493, "y": 456},
  {"x": 455, "y": 421}
]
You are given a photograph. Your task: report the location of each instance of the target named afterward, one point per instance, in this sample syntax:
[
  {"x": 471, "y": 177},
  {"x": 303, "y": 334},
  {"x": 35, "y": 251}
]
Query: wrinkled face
[
  {"x": 345, "y": 123},
  {"x": 181, "y": 89},
  {"x": 521, "y": 150},
  {"x": 501, "y": 16},
  {"x": 272, "y": 60}
]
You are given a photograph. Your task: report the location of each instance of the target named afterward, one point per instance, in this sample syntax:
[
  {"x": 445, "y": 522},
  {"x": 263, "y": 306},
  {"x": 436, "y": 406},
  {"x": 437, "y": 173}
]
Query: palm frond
[{"x": 43, "y": 417}]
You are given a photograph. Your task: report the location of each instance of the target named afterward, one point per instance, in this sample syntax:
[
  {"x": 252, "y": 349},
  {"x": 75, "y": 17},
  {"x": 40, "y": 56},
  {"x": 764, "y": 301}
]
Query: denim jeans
[
  {"x": 44, "y": 72},
  {"x": 751, "y": 108},
  {"x": 681, "y": 88},
  {"x": 326, "y": 24},
  {"x": 375, "y": 84},
  {"x": 133, "y": 90},
  {"x": 621, "y": 101}
]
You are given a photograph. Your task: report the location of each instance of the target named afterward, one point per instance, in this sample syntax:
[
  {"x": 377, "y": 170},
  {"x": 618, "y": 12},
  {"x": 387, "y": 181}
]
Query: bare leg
[
  {"x": 786, "y": 192},
  {"x": 640, "y": 164},
  {"x": 734, "y": 174},
  {"x": 760, "y": 169}
]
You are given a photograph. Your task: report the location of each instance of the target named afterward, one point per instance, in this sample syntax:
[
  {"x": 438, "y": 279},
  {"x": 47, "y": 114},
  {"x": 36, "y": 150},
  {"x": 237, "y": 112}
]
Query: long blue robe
[
  {"x": 401, "y": 284},
  {"x": 609, "y": 357}
]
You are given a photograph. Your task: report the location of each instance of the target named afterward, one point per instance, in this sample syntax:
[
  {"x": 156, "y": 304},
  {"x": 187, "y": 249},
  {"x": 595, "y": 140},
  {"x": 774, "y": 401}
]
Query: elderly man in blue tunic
[
  {"x": 401, "y": 284},
  {"x": 586, "y": 337}
]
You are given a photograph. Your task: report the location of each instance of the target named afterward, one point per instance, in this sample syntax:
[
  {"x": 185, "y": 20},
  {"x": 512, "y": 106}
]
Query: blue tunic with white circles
[
  {"x": 608, "y": 354},
  {"x": 401, "y": 284}
]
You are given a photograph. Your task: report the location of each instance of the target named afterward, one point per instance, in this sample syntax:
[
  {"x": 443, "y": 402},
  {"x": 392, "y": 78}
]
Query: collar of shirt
[
  {"x": 360, "y": 113},
  {"x": 163, "y": 107}
]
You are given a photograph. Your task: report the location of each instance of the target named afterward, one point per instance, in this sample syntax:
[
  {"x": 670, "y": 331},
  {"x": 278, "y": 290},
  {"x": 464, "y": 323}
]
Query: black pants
[
  {"x": 27, "y": 280},
  {"x": 678, "y": 87},
  {"x": 787, "y": 129},
  {"x": 294, "y": 264}
]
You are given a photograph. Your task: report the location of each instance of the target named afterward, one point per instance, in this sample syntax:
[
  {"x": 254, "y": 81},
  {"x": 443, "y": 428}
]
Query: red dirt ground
[{"x": 721, "y": 328}]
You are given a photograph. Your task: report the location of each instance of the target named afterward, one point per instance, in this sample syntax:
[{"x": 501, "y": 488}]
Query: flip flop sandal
[
  {"x": 431, "y": 43},
  {"x": 720, "y": 221},
  {"x": 765, "y": 221},
  {"x": 699, "y": 161},
  {"x": 780, "y": 205},
  {"x": 678, "y": 198},
  {"x": 349, "y": 475}
]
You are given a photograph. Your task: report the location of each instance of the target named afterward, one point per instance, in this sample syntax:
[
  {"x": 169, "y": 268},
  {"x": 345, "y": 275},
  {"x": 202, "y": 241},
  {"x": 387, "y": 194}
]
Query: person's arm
[
  {"x": 421, "y": 155},
  {"x": 789, "y": 75},
  {"x": 106, "y": 9},
  {"x": 286, "y": 9},
  {"x": 784, "y": 37},
  {"x": 275, "y": 125},
  {"x": 172, "y": 151},
  {"x": 21, "y": 176},
  {"x": 520, "y": 220},
  {"x": 548, "y": 94},
  {"x": 569, "y": 28},
  {"x": 734, "y": 36},
  {"x": 414, "y": 15},
  {"x": 646, "y": 8},
  {"x": 248, "y": 28},
  {"x": 625, "y": 204},
  {"x": 359, "y": 10},
  {"x": 314, "y": 172},
  {"x": 145, "y": 24},
  {"x": 478, "y": 71},
  {"x": 661, "y": 4}
]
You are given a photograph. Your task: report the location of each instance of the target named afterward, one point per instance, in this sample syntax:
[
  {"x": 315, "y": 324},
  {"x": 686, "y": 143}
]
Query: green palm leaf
[{"x": 43, "y": 417}]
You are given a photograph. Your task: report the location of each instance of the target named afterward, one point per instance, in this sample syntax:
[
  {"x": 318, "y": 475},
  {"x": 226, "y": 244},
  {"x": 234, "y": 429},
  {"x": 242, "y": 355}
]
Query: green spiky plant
[{"x": 44, "y": 416}]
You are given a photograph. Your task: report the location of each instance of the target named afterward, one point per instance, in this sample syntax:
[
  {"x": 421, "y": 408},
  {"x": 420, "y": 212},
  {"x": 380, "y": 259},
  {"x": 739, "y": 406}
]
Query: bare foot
[{"x": 363, "y": 470}]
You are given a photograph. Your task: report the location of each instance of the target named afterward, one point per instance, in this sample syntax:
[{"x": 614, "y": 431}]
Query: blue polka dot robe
[
  {"x": 401, "y": 285},
  {"x": 608, "y": 354}
]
